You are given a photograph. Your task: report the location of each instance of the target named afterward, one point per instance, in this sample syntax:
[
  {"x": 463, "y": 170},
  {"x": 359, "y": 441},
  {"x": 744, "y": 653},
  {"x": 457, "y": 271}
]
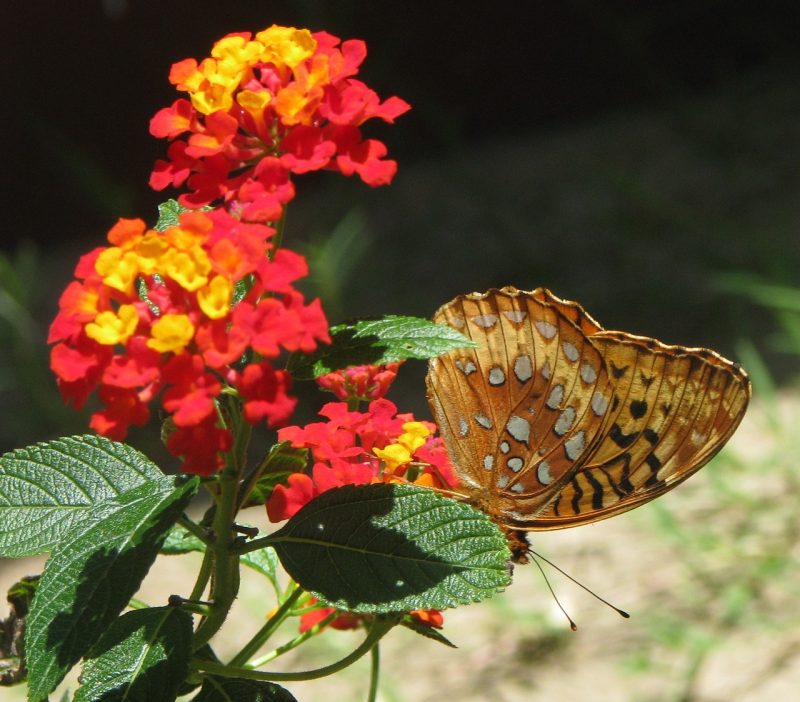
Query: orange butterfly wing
[
  {"x": 674, "y": 409},
  {"x": 519, "y": 411},
  {"x": 553, "y": 422}
]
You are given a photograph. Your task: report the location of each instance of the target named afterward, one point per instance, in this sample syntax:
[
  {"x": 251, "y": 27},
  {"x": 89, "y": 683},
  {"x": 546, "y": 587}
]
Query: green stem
[
  {"x": 295, "y": 642},
  {"x": 256, "y": 544},
  {"x": 243, "y": 434},
  {"x": 225, "y": 584},
  {"x": 380, "y": 627},
  {"x": 203, "y": 576},
  {"x": 277, "y": 238},
  {"x": 374, "y": 672},
  {"x": 267, "y": 630},
  {"x": 252, "y": 478},
  {"x": 194, "y": 529}
]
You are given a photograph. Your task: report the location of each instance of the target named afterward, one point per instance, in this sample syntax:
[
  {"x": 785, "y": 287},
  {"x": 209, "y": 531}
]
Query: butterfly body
[{"x": 552, "y": 421}]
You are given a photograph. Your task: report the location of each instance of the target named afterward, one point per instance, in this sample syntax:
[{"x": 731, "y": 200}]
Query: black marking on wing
[
  {"x": 597, "y": 490},
  {"x": 654, "y": 464},
  {"x": 638, "y": 408},
  {"x": 576, "y": 498},
  {"x": 651, "y": 436},
  {"x": 620, "y": 438},
  {"x": 625, "y": 486},
  {"x": 618, "y": 372}
]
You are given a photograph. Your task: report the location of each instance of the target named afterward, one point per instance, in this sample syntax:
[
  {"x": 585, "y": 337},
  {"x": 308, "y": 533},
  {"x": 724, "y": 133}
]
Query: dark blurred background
[{"x": 639, "y": 157}]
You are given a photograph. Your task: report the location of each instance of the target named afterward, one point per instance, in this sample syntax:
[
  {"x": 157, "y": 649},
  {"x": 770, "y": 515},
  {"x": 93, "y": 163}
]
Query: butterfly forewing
[
  {"x": 520, "y": 411},
  {"x": 553, "y": 422}
]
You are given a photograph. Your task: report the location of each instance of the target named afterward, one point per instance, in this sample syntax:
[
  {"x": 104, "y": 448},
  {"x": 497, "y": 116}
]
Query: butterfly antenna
[
  {"x": 621, "y": 612},
  {"x": 572, "y": 624}
]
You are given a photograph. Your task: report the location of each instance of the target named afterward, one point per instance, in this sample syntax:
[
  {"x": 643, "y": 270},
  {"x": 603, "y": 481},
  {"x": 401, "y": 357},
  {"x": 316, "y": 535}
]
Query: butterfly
[{"x": 552, "y": 421}]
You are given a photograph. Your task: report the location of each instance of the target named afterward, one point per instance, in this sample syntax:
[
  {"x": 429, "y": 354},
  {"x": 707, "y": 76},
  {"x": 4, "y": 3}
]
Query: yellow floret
[
  {"x": 393, "y": 455},
  {"x": 286, "y": 46},
  {"x": 215, "y": 298},
  {"x": 172, "y": 332},
  {"x": 189, "y": 269},
  {"x": 118, "y": 269},
  {"x": 110, "y": 329}
]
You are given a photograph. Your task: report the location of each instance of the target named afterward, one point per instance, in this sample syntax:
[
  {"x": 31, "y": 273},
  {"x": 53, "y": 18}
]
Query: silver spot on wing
[
  {"x": 588, "y": 373},
  {"x": 516, "y": 316},
  {"x": 466, "y": 367},
  {"x": 574, "y": 446},
  {"x": 547, "y": 330},
  {"x": 543, "y": 473},
  {"x": 599, "y": 404},
  {"x": 555, "y": 397},
  {"x": 483, "y": 421},
  {"x": 485, "y": 321},
  {"x": 565, "y": 421},
  {"x": 570, "y": 351},
  {"x": 519, "y": 428},
  {"x": 523, "y": 369},
  {"x": 515, "y": 464},
  {"x": 497, "y": 376}
]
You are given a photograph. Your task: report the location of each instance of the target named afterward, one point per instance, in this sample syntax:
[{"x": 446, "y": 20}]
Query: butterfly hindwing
[{"x": 673, "y": 410}]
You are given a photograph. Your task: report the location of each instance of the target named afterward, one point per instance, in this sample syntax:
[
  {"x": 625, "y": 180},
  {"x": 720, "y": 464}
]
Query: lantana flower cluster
[
  {"x": 158, "y": 316},
  {"x": 358, "y": 448},
  {"x": 182, "y": 318},
  {"x": 153, "y": 315},
  {"x": 264, "y": 107},
  {"x": 360, "y": 383}
]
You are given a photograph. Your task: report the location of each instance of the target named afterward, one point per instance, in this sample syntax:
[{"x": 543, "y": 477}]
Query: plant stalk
[
  {"x": 267, "y": 630},
  {"x": 225, "y": 583},
  {"x": 374, "y": 672},
  {"x": 295, "y": 642},
  {"x": 380, "y": 627}
]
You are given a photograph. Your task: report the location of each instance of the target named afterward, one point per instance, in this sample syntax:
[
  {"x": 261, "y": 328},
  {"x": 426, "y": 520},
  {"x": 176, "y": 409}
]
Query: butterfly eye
[{"x": 593, "y": 423}]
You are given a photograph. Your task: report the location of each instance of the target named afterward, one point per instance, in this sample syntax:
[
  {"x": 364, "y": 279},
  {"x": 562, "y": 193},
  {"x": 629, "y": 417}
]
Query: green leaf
[
  {"x": 264, "y": 561},
  {"x": 393, "y": 548},
  {"x": 169, "y": 214},
  {"x": 48, "y": 488},
  {"x": 143, "y": 657},
  {"x": 428, "y": 632},
  {"x": 216, "y": 689},
  {"x": 180, "y": 540},
  {"x": 281, "y": 460},
  {"x": 375, "y": 342},
  {"x": 93, "y": 572}
]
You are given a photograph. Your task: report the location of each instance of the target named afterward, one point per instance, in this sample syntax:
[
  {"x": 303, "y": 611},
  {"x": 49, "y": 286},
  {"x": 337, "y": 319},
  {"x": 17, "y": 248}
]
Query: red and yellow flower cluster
[
  {"x": 360, "y": 383},
  {"x": 358, "y": 448},
  {"x": 155, "y": 315},
  {"x": 263, "y": 107},
  {"x": 200, "y": 310}
]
